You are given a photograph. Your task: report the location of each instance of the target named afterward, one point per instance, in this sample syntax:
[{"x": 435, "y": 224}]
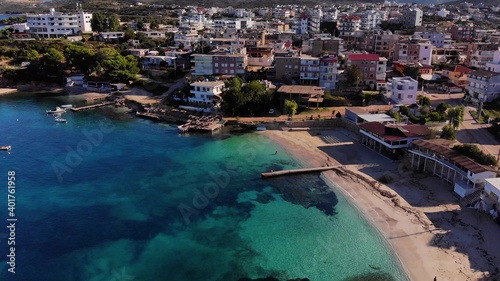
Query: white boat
[
  {"x": 61, "y": 120},
  {"x": 261, "y": 128},
  {"x": 56, "y": 110},
  {"x": 67, "y": 106}
]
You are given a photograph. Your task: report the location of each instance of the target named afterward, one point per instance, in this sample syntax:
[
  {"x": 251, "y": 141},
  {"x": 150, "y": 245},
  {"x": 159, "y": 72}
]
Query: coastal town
[{"x": 397, "y": 103}]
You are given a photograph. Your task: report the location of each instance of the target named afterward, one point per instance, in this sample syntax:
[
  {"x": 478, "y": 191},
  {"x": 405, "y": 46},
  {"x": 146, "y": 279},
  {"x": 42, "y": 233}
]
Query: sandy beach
[{"x": 418, "y": 214}]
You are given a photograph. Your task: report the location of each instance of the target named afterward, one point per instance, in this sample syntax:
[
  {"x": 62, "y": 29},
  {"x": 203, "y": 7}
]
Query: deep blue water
[{"x": 111, "y": 197}]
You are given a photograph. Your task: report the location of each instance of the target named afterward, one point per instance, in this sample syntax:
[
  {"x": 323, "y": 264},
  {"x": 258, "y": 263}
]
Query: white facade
[
  {"x": 494, "y": 65},
  {"x": 371, "y": 19},
  {"x": 438, "y": 40},
  {"x": 443, "y": 12},
  {"x": 328, "y": 73},
  {"x": 206, "y": 94},
  {"x": 425, "y": 53},
  {"x": 484, "y": 86},
  {"x": 111, "y": 35},
  {"x": 57, "y": 25},
  {"x": 347, "y": 25},
  {"x": 412, "y": 17},
  {"x": 402, "y": 90},
  {"x": 309, "y": 70},
  {"x": 202, "y": 65}
]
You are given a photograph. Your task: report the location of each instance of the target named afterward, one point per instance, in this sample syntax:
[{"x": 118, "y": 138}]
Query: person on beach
[{"x": 276, "y": 152}]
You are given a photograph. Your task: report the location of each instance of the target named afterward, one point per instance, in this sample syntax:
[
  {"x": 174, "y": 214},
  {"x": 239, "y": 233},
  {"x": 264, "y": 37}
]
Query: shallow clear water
[{"x": 144, "y": 203}]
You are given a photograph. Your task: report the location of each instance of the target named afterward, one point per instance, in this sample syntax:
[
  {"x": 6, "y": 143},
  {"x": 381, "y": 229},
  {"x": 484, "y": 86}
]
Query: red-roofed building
[
  {"x": 391, "y": 139},
  {"x": 373, "y": 67},
  {"x": 457, "y": 75}
]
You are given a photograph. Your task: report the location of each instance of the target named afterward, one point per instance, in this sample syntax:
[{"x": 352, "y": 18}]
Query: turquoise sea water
[{"x": 144, "y": 203}]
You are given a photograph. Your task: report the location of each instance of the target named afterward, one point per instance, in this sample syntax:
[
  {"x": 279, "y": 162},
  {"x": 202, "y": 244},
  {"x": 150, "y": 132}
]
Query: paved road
[{"x": 472, "y": 132}]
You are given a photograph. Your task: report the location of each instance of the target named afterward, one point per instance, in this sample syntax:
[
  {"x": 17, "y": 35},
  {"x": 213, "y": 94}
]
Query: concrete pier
[
  {"x": 273, "y": 174},
  {"x": 76, "y": 109}
]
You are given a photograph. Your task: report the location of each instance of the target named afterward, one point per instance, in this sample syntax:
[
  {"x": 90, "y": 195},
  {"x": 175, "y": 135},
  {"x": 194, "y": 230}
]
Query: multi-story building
[
  {"x": 378, "y": 42},
  {"x": 347, "y": 25},
  {"x": 309, "y": 70},
  {"x": 402, "y": 90},
  {"x": 206, "y": 94},
  {"x": 462, "y": 32},
  {"x": 57, "y": 25},
  {"x": 308, "y": 23},
  {"x": 260, "y": 56},
  {"x": 318, "y": 46},
  {"x": 414, "y": 51},
  {"x": 371, "y": 19},
  {"x": 220, "y": 62},
  {"x": 411, "y": 17},
  {"x": 438, "y": 40},
  {"x": 287, "y": 68},
  {"x": 480, "y": 58},
  {"x": 494, "y": 65},
  {"x": 484, "y": 86},
  {"x": 328, "y": 72},
  {"x": 373, "y": 68}
]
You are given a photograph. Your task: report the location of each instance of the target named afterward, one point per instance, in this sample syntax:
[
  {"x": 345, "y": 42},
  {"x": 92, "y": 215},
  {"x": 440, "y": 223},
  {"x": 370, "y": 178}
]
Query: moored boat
[
  {"x": 61, "y": 120},
  {"x": 56, "y": 110},
  {"x": 65, "y": 106}
]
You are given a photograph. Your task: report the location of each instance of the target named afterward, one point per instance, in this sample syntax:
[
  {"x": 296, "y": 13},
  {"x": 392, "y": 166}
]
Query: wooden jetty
[
  {"x": 273, "y": 174},
  {"x": 87, "y": 107}
]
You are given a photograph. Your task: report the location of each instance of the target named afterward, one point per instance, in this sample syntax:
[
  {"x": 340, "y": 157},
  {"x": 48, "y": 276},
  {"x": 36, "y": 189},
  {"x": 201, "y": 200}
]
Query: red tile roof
[
  {"x": 350, "y": 17},
  {"x": 359, "y": 57},
  {"x": 459, "y": 68},
  {"x": 396, "y": 132}
]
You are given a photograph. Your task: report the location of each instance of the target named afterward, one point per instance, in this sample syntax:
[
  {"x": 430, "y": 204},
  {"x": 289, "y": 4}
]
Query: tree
[
  {"x": 448, "y": 133},
  {"x": 51, "y": 63},
  {"x": 354, "y": 75},
  {"x": 442, "y": 107},
  {"x": 79, "y": 57},
  {"x": 425, "y": 101},
  {"x": 291, "y": 107},
  {"x": 412, "y": 71},
  {"x": 115, "y": 66},
  {"x": 472, "y": 151},
  {"x": 102, "y": 23},
  {"x": 129, "y": 33},
  {"x": 456, "y": 115}
]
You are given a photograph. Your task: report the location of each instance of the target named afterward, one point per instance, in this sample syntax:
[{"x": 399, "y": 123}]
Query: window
[
  {"x": 411, "y": 87},
  {"x": 410, "y": 96}
]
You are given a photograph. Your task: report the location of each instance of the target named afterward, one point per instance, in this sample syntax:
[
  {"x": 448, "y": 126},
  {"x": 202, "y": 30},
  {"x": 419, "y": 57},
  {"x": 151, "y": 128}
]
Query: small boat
[
  {"x": 261, "y": 128},
  {"x": 56, "y": 110},
  {"x": 65, "y": 106},
  {"x": 61, "y": 120},
  {"x": 6, "y": 147}
]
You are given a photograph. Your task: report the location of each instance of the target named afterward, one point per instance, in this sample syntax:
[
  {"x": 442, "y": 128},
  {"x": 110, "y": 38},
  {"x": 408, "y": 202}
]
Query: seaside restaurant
[{"x": 436, "y": 157}]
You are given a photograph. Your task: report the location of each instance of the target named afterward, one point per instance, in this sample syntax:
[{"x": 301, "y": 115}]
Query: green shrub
[{"x": 473, "y": 152}]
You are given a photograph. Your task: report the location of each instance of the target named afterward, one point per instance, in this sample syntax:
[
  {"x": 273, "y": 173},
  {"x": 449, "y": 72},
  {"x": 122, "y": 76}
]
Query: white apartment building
[
  {"x": 328, "y": 72},
  {"x": 414, "y": 51},
  {"x": 347, "y": 25},
  {"x": 411, "y": 17},
  {"x": 206, "y": 94},
  {"x": 371, "y": 19},
  {"x": 309, "y": 70},
  {"x": 494, "y": 65},
  {"x": 484, "y": 86},
  {"x": 402, "y": 90},
  {"x": 57, "y": 25},
  {"x": 438, "y": 40},
  {"x": 239, "y": 23}
]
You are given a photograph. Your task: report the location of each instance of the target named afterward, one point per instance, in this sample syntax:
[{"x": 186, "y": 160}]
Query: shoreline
[{"x": 423, "y": 248}]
